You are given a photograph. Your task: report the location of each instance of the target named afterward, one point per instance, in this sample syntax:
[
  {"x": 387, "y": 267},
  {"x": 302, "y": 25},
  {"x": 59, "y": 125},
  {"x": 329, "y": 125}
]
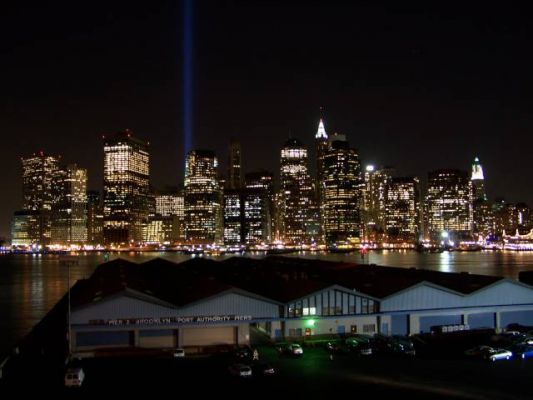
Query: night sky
[{"x": 417, "y": 87}]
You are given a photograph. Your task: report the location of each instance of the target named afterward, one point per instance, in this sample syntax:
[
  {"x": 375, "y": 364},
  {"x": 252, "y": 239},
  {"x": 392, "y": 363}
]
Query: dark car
[
  {"x": 263, "y": 369},
  {"x": 522, "y": 351},
  {"x": 393, "y": 345},
  {"x": 243, "y": 353},
  {"x": 240, "y": 370}
]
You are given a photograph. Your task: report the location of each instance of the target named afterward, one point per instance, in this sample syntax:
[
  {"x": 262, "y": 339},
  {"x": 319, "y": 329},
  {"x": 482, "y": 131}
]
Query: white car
[
  {"x": 74, "y": 377},
  {"x": 240, "y": 370},
  {"x": 499, "y": 354},
  {"x": 178, "y": 353}
]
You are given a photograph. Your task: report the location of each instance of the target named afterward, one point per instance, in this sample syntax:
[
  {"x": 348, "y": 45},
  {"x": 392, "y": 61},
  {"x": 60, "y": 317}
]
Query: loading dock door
[
  {"x": 209, "y": 336},
  {"x": 158, "y": 339},
  {"x": 516, "y": 317},
  {"x": 481, "y": 320},
  {"x": 435, "y": 320},
  {"x": 400, "y": 324}
]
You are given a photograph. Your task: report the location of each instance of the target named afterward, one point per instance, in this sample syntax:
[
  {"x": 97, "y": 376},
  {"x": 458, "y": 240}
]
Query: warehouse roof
[{"x": 280, "y": 279}]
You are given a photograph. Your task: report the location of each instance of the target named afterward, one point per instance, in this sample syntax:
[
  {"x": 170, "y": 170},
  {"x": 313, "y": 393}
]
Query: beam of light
[{"x": 187, "y": 75}]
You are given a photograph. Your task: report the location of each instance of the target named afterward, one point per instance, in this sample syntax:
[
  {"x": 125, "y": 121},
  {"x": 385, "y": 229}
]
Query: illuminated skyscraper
[
  {"x": 403, "y": 210},
  {"x": 126, "y": 188},
  {"x": 373, "y": 210},
  {"x": 25, "y": 228},
  {"x": 69, "y": 208},
  {"x": 321, "y": 147},
  {"x": 95, "y": 218},
  {"x": 510, "y": 217},
  {"x": 235, "y": 174},
  {"x": 233, "y": 217},
  {"x": 481, "y": 208},
  {"x": 170, "y": 210},
  {"x": 449, "y": 204},
  {"x": 203, "y": 198},
  {"x": 259, "y": 206},
  {"x": 342, "y": 191},
  {"x": 38, "y": 172},
  {"x": 297, "y": 196},
  {"x": 478, "y": 181}
]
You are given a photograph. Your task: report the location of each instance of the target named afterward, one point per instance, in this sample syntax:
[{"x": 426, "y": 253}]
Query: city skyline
[{"x": 473, "y": 102}]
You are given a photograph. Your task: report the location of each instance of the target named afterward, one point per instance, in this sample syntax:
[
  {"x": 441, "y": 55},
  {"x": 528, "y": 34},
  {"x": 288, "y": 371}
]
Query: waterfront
[{"x": 30, "y": 285}]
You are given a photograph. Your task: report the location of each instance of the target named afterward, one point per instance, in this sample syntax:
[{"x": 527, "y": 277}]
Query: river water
[{"x": 30, "y": 285}]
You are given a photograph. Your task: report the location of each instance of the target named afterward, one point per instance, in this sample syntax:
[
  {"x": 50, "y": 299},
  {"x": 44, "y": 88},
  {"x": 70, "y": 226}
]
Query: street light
[{"x": 68, "y": 262}]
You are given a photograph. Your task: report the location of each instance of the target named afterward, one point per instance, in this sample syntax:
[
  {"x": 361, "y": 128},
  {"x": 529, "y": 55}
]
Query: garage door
[
  {"x": 481, "y": 320},
  {"x": 104, "y": 338},
  {"x": 158, "y": 338},
  {"x": 400, "y": 324},
  {"x": 209, "y": 336},
  {"x": 516, "y": 317},
  {"x": 435, "y": 320}
]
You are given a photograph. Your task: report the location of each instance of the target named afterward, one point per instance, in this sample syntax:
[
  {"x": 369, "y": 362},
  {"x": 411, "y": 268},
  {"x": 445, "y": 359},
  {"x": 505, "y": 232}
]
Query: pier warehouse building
[{"x": 201, "y": 303}]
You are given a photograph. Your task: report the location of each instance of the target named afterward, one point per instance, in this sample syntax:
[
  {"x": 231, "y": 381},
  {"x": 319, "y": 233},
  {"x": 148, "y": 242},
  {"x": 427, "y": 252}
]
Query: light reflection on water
[{"x": 31, "y": 285}]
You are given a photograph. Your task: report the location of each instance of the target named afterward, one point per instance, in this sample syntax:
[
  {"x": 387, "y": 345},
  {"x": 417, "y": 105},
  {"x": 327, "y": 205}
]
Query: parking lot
[{"x": 437, "y": 373}]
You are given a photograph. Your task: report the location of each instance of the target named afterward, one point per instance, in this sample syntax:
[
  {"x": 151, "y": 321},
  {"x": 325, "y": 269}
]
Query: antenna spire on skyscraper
[{"x": 321, "y": 132}]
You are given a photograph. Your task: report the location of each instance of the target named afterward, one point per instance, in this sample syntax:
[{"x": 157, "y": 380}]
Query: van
[{"x": 74, "y": 377}]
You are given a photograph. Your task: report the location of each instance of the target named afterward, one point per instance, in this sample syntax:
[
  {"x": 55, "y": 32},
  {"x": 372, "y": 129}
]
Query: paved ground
[{"x": 314, "y": 375}]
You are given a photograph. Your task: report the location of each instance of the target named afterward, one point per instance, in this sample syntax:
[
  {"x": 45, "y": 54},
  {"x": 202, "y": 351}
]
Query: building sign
[{"x": 170, "y": 320}]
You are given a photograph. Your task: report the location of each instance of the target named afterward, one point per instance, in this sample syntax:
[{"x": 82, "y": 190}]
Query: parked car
[
  {"x": 259, "y": 369},
  {"x": 523, "y": 351},
  {"x": 479, "y": 351},
  {"x": 499, "y": 354},
  {"x": 243, "y": 353},
  {"x": 178, "y": 353},
  {"x": 241, "y": 370},
  {"x": 74, "y": 377},
  {"x": 293, "y": 349},
  {"x": 396, "y": 345}
]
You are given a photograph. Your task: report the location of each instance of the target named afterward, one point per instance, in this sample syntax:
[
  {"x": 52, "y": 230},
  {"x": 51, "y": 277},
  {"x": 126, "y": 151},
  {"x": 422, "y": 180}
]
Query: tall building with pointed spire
[
  {"x": 482, "y": 209},
  {"x": 321, "y": 146},
  {"x": 235, "y": 173},
  {"x": 478, "y": 180}
]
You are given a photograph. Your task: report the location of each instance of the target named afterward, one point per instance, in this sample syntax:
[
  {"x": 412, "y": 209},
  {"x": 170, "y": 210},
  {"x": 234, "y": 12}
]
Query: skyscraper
[
  {"x": 449, "y": 204},
  {"x": 297, "y": 196},
  {"x": 321, "y": 147},
  {"x": 25, "y": 228},
  {"x": 126, "y": 188},
  {"x": 203, "y": 198},
  {"x": 478, "y": 181},
  {"x": 235, "y": 173},
  {"x": 38, "y": 174},
  {"x": 69, "y": 208},
  {"x": 95, "y": 218},
  {"x": 259, "y": 206},
  {"x": 233, "y": 217},
  {"x": 481, "y": 208},
  {"x": 373, "y": 206},
  {"x": 169, "y": 216},
  {"x": 403, "y": 210},
  {"x": 342, "y": 184}
]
